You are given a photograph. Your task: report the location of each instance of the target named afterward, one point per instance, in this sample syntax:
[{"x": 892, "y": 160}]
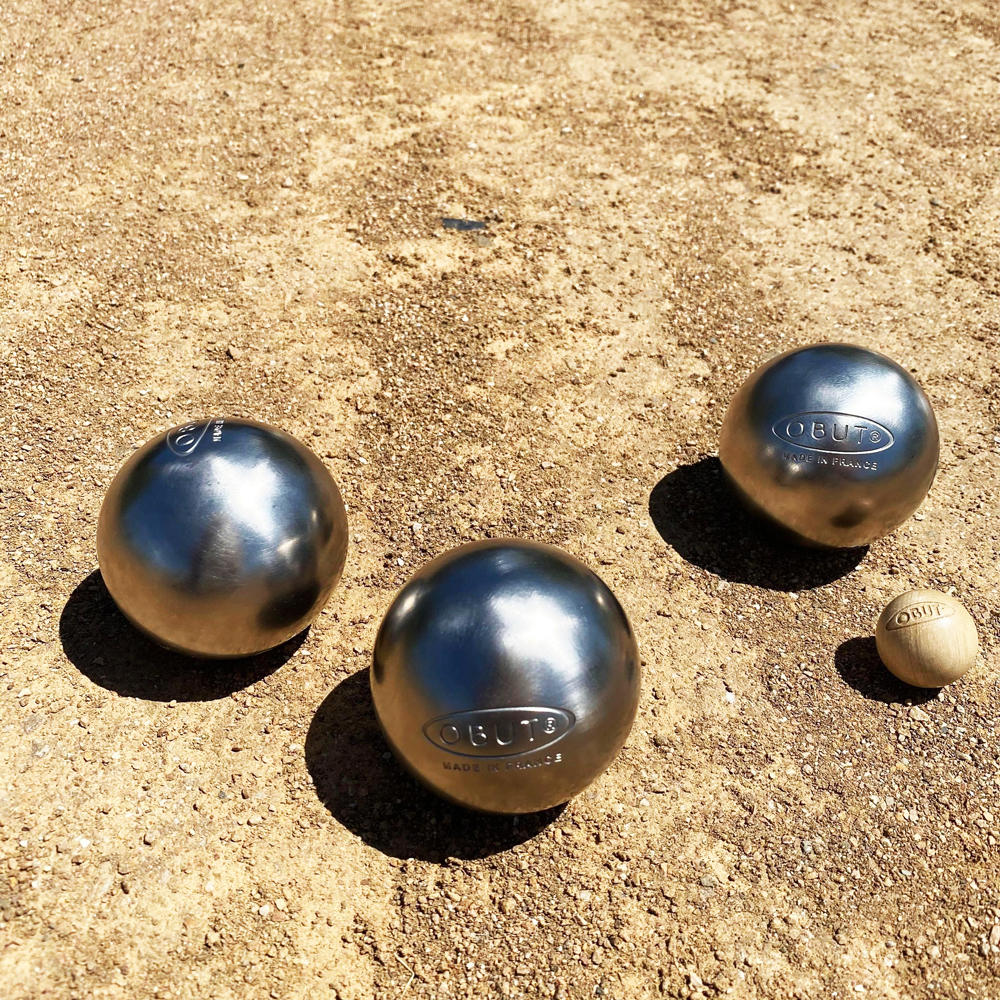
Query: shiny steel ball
[
  {"x": 836, "y": 444},
  {"x": 505, "y": 676},
  {"x": 222, "y": 538}
]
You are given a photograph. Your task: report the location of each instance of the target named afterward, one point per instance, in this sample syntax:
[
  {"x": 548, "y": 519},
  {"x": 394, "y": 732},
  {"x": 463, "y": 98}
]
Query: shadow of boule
[
  {"x": 106, "y": 647},
  {"x": 366, "y": 790},
  {"x": 697, "y": 514}
]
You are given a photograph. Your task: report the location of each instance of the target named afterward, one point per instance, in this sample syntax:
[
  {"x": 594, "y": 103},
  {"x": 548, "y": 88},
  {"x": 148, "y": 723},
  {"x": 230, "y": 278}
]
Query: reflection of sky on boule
[
  {"x": 468, "y": 624},
  {"x": 287, "y": 548},
  {"x": 838, "y": 378},
  {"x": 471, "y": 641},
  {"x": 249, "y": 492},
  {"x": 251, "y": 496},
  {"x": 533, "y": 625},
  {"x": 407, "y": 603},
  {"x": 216, "y": 514}
]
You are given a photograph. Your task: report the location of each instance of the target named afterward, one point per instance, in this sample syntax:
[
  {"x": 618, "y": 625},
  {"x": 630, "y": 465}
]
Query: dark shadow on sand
[
  {"x": 102, "y": 644},
  {"x": 859, "y": 664},
  {"x": 365, "y": 789},
  {"x": 696, "y": 513}
]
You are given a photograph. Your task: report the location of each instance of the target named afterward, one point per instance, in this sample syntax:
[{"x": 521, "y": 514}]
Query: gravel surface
[{"x": 239, "y": 209}]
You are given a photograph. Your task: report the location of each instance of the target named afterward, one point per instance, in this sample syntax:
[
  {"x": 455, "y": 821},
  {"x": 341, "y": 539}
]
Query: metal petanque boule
[
  {"x": 834, "y": 443},
  {"x": 222, "y": 538},
  {"x": 505, "y": 676}
]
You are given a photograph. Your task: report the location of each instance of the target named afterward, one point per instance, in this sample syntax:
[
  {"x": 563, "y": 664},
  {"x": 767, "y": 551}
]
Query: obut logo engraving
[
  {"x": 499, "y": 732},
  {"x": 833, "y": 433},
  {"x": 927, "y": 611},
  {"x": 183, "y": 440}
]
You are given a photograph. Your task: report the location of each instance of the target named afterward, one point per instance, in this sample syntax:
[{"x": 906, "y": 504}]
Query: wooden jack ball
[{"x": 926, "y": 638}]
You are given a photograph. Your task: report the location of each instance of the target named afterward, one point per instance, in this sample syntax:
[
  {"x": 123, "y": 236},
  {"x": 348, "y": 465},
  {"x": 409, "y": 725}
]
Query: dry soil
[{"x": 236, "y": 208}]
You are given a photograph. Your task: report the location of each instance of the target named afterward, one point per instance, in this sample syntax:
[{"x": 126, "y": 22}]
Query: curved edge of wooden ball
[{"x": 926, "y": 638}]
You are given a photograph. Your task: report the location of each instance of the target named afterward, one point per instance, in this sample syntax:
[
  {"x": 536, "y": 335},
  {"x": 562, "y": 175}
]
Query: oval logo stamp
[
  {"x": 499, "y": 732},
  {"x": 833, "y": 433},
  {"x": 183, "y": 440},
  {"x": 926, "y": 611}
]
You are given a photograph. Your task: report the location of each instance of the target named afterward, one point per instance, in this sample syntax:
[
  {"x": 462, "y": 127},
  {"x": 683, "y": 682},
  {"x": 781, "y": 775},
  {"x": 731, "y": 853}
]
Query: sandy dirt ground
[{"x": 236, "y": 208}]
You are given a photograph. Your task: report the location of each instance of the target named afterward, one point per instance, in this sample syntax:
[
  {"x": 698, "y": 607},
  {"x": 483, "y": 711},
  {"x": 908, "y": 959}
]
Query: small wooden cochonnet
[{"x": 926, "y": 638}]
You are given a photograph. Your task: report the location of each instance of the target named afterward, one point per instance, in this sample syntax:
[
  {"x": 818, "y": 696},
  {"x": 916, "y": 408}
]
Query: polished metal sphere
[
  {"x": 222, "y": 538},
  {"x": 836, "y": 444},
  {"x": 505, "y": 676}
]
